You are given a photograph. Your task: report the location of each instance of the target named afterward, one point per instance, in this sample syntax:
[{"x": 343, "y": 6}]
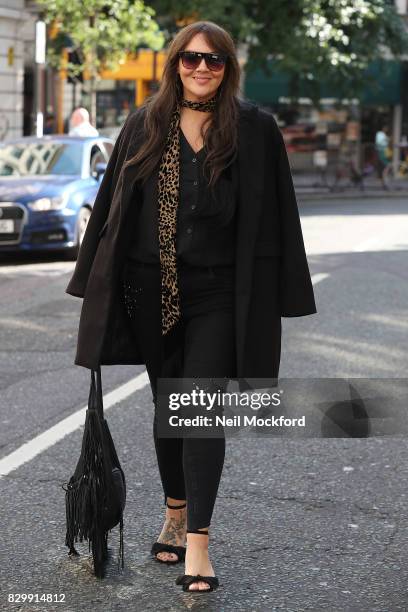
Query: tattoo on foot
[{"x": 175, "y": 531}]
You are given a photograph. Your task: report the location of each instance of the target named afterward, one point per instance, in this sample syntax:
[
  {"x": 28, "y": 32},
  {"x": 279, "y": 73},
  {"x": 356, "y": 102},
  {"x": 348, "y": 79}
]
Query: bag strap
[{"x": 95, "y": 401}]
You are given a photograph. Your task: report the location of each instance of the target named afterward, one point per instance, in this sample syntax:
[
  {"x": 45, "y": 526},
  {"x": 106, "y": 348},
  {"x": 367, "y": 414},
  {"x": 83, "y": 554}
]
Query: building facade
[{"x": 13, "y": 33}]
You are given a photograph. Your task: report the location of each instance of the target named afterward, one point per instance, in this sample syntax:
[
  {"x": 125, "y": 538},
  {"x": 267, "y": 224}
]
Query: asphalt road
[{"x": 310, "y": 524}]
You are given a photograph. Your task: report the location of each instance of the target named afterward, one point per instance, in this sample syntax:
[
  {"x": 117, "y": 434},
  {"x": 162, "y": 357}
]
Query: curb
[{"x": 349, "y": 195}]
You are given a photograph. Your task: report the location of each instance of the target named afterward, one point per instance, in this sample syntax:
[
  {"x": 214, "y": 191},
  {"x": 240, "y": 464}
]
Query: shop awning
[{"x": 387, "y": 76}]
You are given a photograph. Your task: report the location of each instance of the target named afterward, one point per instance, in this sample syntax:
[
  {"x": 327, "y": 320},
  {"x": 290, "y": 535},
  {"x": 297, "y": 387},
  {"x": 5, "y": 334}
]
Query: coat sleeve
[
  {"x": 100, "y": 211},
  {"x": 295, "y": 285}
]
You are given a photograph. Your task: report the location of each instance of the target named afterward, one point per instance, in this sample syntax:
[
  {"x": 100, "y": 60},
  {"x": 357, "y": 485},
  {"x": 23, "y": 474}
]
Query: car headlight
[{"x": 49, "y": 203}]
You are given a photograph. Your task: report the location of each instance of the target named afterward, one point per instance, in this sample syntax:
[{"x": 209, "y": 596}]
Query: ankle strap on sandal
[
  {"x": 197, "y": 531},
  {"x": 176, "y": 507}
]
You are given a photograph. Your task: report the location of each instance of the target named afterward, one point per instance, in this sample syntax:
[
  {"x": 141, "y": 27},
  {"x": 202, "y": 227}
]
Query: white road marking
[
  {"x": 316, "y": 278},
  {"x": 39, "y": 273},
  {"x": 29, "y": 450},
  {"x": 10, "y": 322},
  {"x": 38, "y": 269}
]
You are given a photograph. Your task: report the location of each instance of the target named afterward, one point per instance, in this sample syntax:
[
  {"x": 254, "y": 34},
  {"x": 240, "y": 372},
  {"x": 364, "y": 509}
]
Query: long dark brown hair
[{"x": 220, "y": 139}]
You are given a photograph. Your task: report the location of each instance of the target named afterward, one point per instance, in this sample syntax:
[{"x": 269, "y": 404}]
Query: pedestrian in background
[
  {"x": 80, "y": 124},
  {"x": 381, "y": 144},
  {"x": 192, "y": 254},
  {"x": 49, "y": 124}
]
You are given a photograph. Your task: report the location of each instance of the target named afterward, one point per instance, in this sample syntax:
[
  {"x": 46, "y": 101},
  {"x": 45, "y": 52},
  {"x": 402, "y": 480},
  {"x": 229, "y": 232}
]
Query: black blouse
[{"x": 197, "y": 243}]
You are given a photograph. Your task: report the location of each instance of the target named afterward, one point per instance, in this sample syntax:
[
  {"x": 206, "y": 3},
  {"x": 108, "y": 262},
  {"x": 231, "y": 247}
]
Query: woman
[{"x": 192, "y": 254}]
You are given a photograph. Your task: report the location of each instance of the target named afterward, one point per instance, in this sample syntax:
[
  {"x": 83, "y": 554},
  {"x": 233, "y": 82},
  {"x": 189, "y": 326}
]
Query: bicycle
[{"x": 392, "y": 177}]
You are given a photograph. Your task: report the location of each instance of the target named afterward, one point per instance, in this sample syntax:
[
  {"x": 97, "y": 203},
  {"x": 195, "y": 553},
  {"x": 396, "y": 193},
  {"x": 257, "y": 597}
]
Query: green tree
[
  {"x": 101, "y": 32},
  {"x": 311, "y": 40}
]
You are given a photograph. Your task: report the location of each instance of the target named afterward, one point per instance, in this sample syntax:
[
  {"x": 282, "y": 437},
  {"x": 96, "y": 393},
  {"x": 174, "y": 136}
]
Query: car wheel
[{"x": 81, "y": 225}]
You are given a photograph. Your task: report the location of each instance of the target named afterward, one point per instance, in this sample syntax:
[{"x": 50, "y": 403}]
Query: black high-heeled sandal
[
  {"x": 188, "y": 579},
  {"x": 180, "y": 551}
]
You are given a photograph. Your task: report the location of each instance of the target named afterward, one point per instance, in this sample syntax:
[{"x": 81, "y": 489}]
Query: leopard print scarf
[{"x": 168, "y": 200}]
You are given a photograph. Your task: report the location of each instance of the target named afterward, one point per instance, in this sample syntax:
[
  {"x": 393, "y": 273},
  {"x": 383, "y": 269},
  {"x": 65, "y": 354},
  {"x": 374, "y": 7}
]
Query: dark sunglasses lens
[
  {"x": 215, "y": 63},
  {"x": 190, "y": 60}
]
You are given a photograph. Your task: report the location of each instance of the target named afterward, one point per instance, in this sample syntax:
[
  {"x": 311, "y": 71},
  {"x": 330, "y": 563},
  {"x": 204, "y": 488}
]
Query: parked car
[{"x": 47, "y": 189}]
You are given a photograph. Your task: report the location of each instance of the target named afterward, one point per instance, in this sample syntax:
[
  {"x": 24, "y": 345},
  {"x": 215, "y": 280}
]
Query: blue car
[{"x": 47, "y": 189}]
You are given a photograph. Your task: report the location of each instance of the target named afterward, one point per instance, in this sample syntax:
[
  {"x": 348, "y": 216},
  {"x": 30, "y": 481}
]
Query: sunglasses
[{"x": 192, "y": 59}]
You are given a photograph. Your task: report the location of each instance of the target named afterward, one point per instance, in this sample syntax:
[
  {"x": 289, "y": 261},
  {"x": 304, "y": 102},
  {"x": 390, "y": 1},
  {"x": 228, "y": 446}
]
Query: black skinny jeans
[{"x": 202, "y": 344}]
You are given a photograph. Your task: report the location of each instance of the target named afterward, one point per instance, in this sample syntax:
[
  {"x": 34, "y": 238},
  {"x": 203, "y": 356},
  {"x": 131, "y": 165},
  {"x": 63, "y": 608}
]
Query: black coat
[{"x": 272, "y": 273}]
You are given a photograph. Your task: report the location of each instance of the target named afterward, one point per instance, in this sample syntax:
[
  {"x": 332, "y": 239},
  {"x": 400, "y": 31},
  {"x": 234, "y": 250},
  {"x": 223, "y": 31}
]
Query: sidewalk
[{"x": 311, "y": 187}]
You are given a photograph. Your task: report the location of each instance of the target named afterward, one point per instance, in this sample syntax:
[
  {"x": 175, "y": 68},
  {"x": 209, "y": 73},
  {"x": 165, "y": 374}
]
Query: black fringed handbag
[{"x": 96, "y": 493}]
